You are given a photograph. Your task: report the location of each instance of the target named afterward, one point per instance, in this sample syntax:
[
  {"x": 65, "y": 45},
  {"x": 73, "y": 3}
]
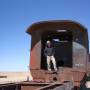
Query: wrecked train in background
[{"x": 70, "y": 40}]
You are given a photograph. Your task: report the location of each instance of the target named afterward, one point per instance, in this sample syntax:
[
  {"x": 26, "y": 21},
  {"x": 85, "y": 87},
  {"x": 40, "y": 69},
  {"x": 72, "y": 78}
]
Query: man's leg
[
  {"x": 54, "y": 63},
  {"x": 48, "y": 63}
]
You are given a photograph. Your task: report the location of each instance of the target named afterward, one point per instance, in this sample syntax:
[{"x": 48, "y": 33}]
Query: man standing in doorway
[{"x": 49, "y": 53}]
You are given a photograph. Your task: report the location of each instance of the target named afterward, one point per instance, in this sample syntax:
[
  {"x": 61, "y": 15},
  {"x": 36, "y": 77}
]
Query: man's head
[{"x": 48, "y": 43}]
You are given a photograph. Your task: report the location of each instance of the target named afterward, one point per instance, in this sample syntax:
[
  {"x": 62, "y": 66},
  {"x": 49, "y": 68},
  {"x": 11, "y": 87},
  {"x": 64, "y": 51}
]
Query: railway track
[{"x": 37, "y": 86}]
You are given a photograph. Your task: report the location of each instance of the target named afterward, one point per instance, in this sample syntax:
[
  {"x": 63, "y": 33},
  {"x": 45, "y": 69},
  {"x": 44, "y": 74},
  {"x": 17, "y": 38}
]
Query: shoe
[
  {"x": 55, "y": 69},
  {"x": 49, "y": 69}
]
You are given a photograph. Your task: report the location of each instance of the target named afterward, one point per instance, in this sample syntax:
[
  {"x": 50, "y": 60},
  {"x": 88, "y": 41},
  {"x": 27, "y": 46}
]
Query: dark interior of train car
[{"x": 62, "y": 43}]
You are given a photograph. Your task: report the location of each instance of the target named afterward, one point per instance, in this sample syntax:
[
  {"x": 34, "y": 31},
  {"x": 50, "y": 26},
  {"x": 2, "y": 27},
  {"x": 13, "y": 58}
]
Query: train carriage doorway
[{"x": 62, "y": 43}]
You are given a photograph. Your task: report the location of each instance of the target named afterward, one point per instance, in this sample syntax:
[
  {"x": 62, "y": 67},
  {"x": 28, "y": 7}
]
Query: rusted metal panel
[
  {"x": 66, "y": 75},
  {"x": 79, "y": 56},
  {"x": 55, "y": 23},
  {"x": 35, "y": 56}
]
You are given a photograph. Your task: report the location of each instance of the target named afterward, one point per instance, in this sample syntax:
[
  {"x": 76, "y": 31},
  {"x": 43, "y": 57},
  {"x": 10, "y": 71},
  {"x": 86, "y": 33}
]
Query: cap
[{"x": 48, "y": 42}]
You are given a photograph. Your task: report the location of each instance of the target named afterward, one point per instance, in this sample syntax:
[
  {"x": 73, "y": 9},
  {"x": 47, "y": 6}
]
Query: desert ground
[{"x": 10, "y": 77}]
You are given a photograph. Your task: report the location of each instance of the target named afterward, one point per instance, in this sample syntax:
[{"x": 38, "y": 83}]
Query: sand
[{"x": 11, "y": 77}]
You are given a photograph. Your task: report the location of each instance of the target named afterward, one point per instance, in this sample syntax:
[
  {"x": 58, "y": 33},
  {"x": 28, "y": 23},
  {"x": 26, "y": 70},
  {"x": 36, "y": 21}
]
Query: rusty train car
[{"x": 70, "y": 40}]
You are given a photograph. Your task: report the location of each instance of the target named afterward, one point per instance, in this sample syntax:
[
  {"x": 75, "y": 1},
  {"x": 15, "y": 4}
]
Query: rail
[{"x": 27, "y": 86}]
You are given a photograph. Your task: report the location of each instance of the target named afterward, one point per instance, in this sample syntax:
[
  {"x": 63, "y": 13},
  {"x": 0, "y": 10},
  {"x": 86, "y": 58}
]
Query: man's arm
[
  {"x": 53, "y": 51},
  {"x": 45, "y": 51}
]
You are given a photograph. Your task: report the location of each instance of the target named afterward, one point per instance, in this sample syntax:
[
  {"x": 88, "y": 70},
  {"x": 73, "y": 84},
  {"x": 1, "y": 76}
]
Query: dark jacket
[{"x": 49, "y": 51}]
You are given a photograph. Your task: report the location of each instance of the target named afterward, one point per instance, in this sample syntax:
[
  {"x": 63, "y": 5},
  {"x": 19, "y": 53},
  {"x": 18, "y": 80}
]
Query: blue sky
[{"x": 17, "y": 15}]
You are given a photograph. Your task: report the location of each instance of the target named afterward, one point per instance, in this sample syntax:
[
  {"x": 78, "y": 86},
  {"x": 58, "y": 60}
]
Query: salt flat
[{"x": 11, "y": 77}]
